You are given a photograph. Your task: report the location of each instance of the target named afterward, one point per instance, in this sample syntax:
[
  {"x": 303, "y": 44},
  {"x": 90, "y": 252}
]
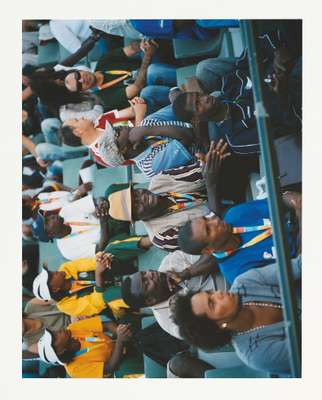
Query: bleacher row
[{"x": 228, "y": 44}]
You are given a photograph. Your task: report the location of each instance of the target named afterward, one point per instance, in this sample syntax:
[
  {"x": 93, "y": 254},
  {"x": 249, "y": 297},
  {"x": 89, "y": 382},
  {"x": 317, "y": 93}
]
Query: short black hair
[
  {"x": 197, "y": 330},
  {"x": 26, "y": 210},
  {"x": 135, "y": 302},
  {"x": 67, "y": 134},
  {"x": 187, "y": 243},
  {"x": 179, "y": 107},
  {"x": 57, "y": 296}
]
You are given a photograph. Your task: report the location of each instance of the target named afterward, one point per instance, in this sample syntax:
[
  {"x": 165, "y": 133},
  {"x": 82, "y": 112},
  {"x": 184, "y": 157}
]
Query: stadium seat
[
  {"x": 151, "y": 368},
  {"x": 48, "y": 53}
]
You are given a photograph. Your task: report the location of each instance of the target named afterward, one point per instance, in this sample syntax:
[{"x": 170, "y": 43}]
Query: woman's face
[
  {"x": 217, "y": 306},
  {"x": 80, "y": 81}
]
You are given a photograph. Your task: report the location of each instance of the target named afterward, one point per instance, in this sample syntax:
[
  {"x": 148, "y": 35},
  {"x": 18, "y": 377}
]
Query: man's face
[
  {"x": 213, "y": 232},
  {"x": 217, "y": 306},
  {"x": 145, "y": 204},
  {"x": 79, "y": 125},
  {"x": 150, "y": 284},
  {"x": 63, "y": 341},
  {"x": 202, "y": 106},
  {"x": 80, "y": 81},
  {"x": 54, "y": 226},
  {"x": 57, "y": 281}
]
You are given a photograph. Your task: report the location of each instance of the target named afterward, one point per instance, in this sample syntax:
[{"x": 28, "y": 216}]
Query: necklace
[{"x": 258, "y": 304}]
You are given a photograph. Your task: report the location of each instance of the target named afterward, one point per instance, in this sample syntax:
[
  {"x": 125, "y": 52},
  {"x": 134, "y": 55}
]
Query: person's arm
[
  {"x": 26, "y": 93},
  {"x": 127, "y": 112},
  {"x": 139, "y": 83},
  {"x": 212, "y": 165},
  {"x": 103, "y": 215},
  {"x": 87, "y": 45},
  {"x": 205, "y": 265},
  {"x": 139, "y": 107},
  {"x": 123, "y": 335},
  {"x": 31, "y": 147},
  {"x": 193, "y": 85},
  {"x": 103, "y": 262},
  {"x": 137, "y": 134}
]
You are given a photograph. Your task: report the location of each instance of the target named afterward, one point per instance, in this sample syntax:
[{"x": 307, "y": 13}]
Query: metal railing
[{"x": 269, "y": 158}]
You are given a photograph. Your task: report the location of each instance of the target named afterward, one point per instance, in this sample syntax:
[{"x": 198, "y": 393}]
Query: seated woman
[
  {"x": 85, "y": 348},
  {"x": 154, "y": 147},
  {"x": 250, "y": 315}
]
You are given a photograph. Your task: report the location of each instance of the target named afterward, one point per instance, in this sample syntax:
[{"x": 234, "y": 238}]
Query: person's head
[
  {"x": 79, "y": 81},
  {"x": 49, "y": 86},
  {"x": 204, "y": 235},
  {"x": 51, "y": 285},
  {"x": 203, "y": 317},
  {"x": 58, "y": 347},
  {"x": 74, "y": 129},
  {"x": 27, "y": 205},
  {"x": 194, "y": 106},
  {"x": 131, "y": 204},
  {"x": 145, "y": 288},
  {"x": 54, "y": 226}
]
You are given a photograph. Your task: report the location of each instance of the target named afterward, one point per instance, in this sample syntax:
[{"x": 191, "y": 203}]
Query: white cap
[
  {"x": 40, "y": 286},
  {"x": 46, "y": 350}
]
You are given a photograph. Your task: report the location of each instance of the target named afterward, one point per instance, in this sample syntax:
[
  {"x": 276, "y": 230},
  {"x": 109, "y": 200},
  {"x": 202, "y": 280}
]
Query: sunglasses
[{"x": 78, "y": 77}]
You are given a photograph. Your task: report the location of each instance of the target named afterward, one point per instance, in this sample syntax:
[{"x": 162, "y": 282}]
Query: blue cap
[{"x": 38, "y": 229}]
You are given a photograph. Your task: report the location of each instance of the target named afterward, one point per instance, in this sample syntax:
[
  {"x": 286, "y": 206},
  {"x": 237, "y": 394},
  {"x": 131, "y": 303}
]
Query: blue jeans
[
  {"x": 52, "y": 152},
  {"x": 49, "y": 128},
  {"x": 161, "y": 74},
  {"x": 155, "y": 97},
  {"x": 164, "y": 114},
  {"x": 209, "y": 72}
]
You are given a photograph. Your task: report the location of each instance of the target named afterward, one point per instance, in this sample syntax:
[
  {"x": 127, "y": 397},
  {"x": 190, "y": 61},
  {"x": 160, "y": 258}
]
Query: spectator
[
  {"x": 84, "y": 348},
  {"x": 154, "y": 148},
  {"x": 251, "y": 312},
  {"x": 79, "y": 286},
  {"x": 242, "y": 239}
]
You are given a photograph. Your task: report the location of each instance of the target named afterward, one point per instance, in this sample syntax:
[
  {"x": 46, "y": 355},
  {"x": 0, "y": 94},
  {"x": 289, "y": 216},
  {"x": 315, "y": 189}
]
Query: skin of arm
[
  {"x": 87, "y": 45},
  {"x": 205, "y": 265},
  {"x": 26, "y": 93},
  {"x": 193, "y": 85},
  {"x": 212, "y": 164},
  {"x": 30, "y": 146},
  {"x": 102, "y": 214},
  {"x": 182, "y": 134},
  {"x": 139, "y": 83},
  {"x": 123, "y": 335}
]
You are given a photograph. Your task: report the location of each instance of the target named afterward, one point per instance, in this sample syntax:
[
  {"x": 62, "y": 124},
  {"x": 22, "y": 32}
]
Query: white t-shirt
[
  {"x": 54, "y": 200},
  {"x": 81, "y": 242},
  {"x": 177, "y": 262},
  {"x": 70, "y": 33}
]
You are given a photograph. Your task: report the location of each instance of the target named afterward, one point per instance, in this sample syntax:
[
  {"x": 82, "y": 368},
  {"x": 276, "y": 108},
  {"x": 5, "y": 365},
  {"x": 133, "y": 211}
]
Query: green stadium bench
[{"x": 48, "y": 53}]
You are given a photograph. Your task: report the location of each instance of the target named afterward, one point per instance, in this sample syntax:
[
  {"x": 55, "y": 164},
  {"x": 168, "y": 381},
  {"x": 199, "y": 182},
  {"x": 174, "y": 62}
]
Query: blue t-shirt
[{"x": 262, "y": 253}]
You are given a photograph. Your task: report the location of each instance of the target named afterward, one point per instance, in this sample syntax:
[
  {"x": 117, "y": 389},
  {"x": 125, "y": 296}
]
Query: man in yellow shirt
[
  {"x": 84, "y": 349},
  {"x": 79, "y": 289}
]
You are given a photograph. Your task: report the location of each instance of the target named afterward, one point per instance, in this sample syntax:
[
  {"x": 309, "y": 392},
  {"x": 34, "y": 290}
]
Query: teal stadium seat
[{"x": 151, "y": 368}]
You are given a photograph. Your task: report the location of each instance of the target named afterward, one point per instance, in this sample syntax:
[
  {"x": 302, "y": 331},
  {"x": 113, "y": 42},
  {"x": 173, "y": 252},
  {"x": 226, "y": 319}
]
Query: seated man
[
  {"x": 177, "y": 272},
  {"x": 79, "y": 288},
  {"x": 81, "y": 229},
  {"x": 234, "y": 112},
  {"x": 153, "y": 148},
  {"x": 242, "y": 239},
  {"x": 85, "y": 348}
]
